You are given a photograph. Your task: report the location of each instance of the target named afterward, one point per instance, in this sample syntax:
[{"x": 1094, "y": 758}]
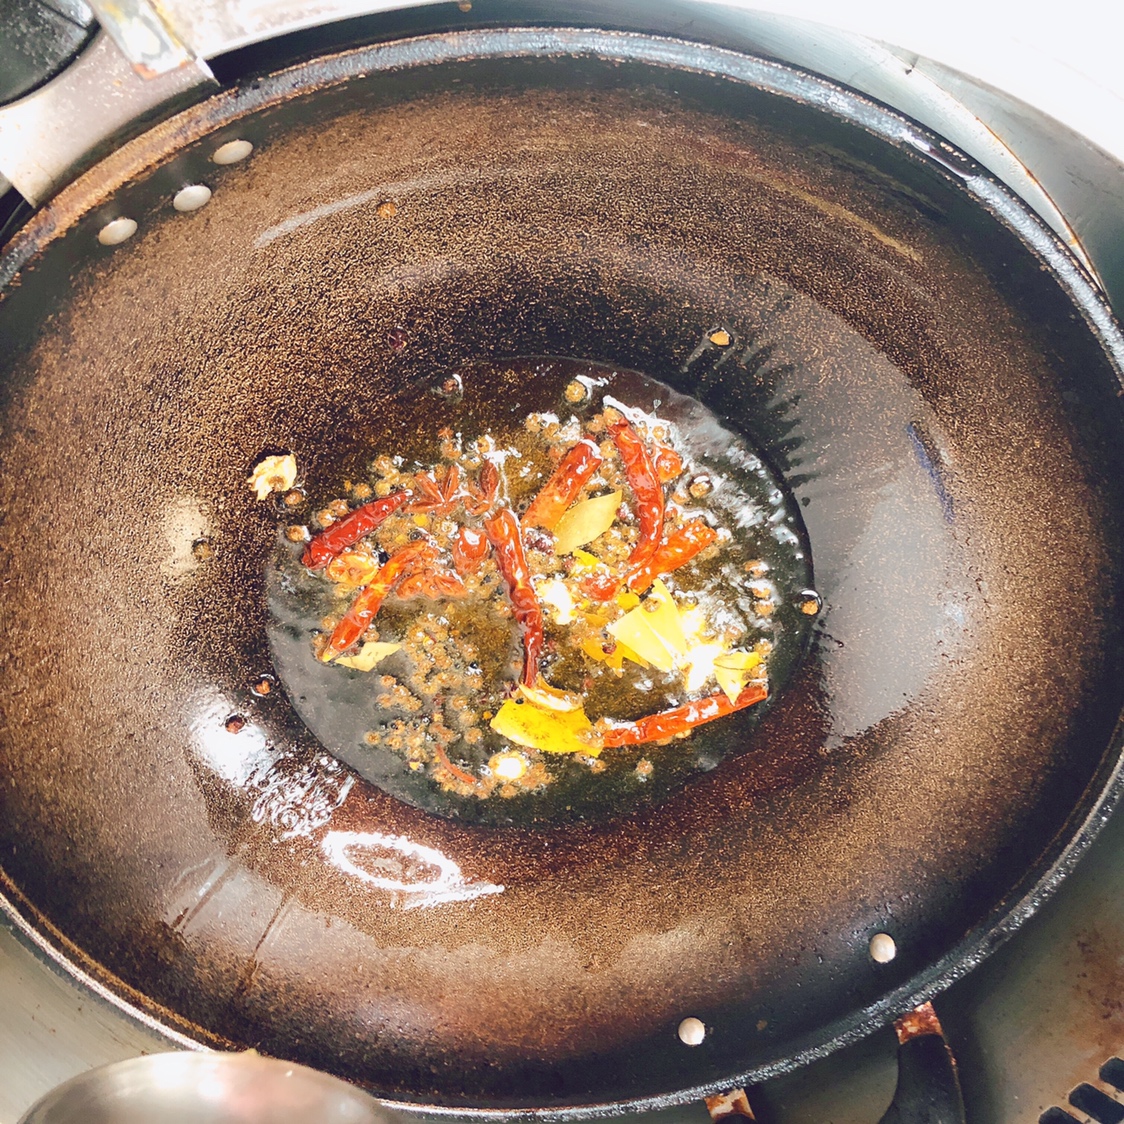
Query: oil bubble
[{"x": 810, "y": 602}]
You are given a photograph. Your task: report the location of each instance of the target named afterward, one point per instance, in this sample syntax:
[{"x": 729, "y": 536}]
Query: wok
[{"x": 925, "y": 366}]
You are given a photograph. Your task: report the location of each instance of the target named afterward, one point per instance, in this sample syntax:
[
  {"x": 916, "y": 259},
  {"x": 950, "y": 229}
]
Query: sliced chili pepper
[
  {"x": 435, "y": 584},
  {"x": 678, "y": 549},
  {"x": 669, "y": 464},
  {"x": 363, "y": 609},
  {"x": 469, "y": 548},
  {"x": 600, "y": 586},
  {"x": 646, "y": 488},
  {"x": 502, "y": 530},
  {"x": 680, "y": 719},
  {"x": 349, "y": 530},
  {"x": 564, "y": 486}
]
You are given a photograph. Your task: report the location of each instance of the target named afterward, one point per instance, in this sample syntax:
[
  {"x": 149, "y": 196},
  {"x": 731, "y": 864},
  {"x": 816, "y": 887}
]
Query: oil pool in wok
[
  {"x": 342, "y": 707},
  {"x": 928, "y": 372}
]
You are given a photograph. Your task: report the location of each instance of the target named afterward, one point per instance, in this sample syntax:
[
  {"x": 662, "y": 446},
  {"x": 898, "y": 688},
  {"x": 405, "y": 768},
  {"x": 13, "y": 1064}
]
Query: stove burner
[{"x": 1092, "y": 1101}]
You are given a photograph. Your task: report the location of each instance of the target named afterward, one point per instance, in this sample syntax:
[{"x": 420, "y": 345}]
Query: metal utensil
[{"x": 205, "y": 1088}]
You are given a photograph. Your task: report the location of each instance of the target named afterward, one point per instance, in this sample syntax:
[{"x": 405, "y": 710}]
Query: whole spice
[
  {"x": 564, "y": 486},
  {"x": 680, "y": 719},
  {"x": 363, "y": 609},
  {"x": 502, "y": 530},
  {"x": 646, "y": 488},
  {"x": 349, "y": 530},
  {"x": 676, "y": 550}
]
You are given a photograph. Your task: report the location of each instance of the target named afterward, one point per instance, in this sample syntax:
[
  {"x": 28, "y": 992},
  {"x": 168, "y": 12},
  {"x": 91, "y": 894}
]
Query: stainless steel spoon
[{"x": 206, "y": 1088}]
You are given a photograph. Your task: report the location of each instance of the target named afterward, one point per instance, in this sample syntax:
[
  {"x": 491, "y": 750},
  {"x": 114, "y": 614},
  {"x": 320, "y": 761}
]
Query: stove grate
[{"x": 1093, "y": 1102}]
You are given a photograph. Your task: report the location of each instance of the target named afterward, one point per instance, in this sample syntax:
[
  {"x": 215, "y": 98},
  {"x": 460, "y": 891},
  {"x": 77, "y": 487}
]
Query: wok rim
[{"x": 143, "y": 154}]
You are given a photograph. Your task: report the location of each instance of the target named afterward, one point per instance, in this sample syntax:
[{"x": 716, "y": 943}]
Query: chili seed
[
  {"x": 234, "y": 724},
  {"x": 450, "y": 386},
  {"x": 386, "y": 209},
  {"x": 202, "y": 550},
  {"x": 263, "y": 686},
  {"x": 294, "y": 497}
]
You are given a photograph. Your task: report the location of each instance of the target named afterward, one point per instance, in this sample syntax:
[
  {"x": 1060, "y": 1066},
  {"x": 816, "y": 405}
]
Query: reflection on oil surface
[
  {"x": 872, "y": 471},
  {"x": 411, "y": 875}
]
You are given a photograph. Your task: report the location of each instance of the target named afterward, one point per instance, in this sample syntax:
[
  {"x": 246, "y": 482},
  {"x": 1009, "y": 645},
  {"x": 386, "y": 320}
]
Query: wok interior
[{"x": 944, "y": 418}]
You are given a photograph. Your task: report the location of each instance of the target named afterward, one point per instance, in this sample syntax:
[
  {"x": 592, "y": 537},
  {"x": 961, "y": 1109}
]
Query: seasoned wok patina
[{"x": 899, "y": 339}]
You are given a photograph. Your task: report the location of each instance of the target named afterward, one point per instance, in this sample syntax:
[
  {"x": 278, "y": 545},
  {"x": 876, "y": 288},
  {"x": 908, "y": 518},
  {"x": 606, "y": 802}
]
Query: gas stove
[{"x": 1034, "y": 1026}]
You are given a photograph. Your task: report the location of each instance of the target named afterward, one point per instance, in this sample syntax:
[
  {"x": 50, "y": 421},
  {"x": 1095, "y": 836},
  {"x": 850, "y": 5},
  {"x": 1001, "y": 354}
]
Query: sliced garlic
[{"x": 273, "y": 474}]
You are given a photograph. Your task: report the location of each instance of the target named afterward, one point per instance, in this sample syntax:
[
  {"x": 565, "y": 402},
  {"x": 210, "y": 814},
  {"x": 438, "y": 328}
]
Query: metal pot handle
[
  {"x": 928, "y": 1089},
  {"x": 134, "y": 67}
]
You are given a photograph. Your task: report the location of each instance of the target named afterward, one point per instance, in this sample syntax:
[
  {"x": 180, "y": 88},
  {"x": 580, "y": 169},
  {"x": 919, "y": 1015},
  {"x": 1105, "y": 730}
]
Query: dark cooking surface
[{"x": 956, "y": 705}]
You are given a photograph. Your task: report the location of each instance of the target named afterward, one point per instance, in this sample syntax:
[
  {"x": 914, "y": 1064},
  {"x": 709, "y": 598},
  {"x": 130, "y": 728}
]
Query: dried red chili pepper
[
  {"x": 349, "y": 530},
  {"x": 433, "y": 583},
  {"x": 678, "y": 549},
  {"x": 502, "y": 530},
  {"x": 680, "y": 719},
  {"x": 367, "y": 604},
  {"x": 469, "y": 549},
  {"x": 669, "y": 464},
  {"x": 564, "y": 486},
  {"x": 647, "y": 491}
]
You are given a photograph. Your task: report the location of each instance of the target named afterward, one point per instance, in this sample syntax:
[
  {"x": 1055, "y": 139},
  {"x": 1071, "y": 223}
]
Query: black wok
[{"x": 927, "y": 368}]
